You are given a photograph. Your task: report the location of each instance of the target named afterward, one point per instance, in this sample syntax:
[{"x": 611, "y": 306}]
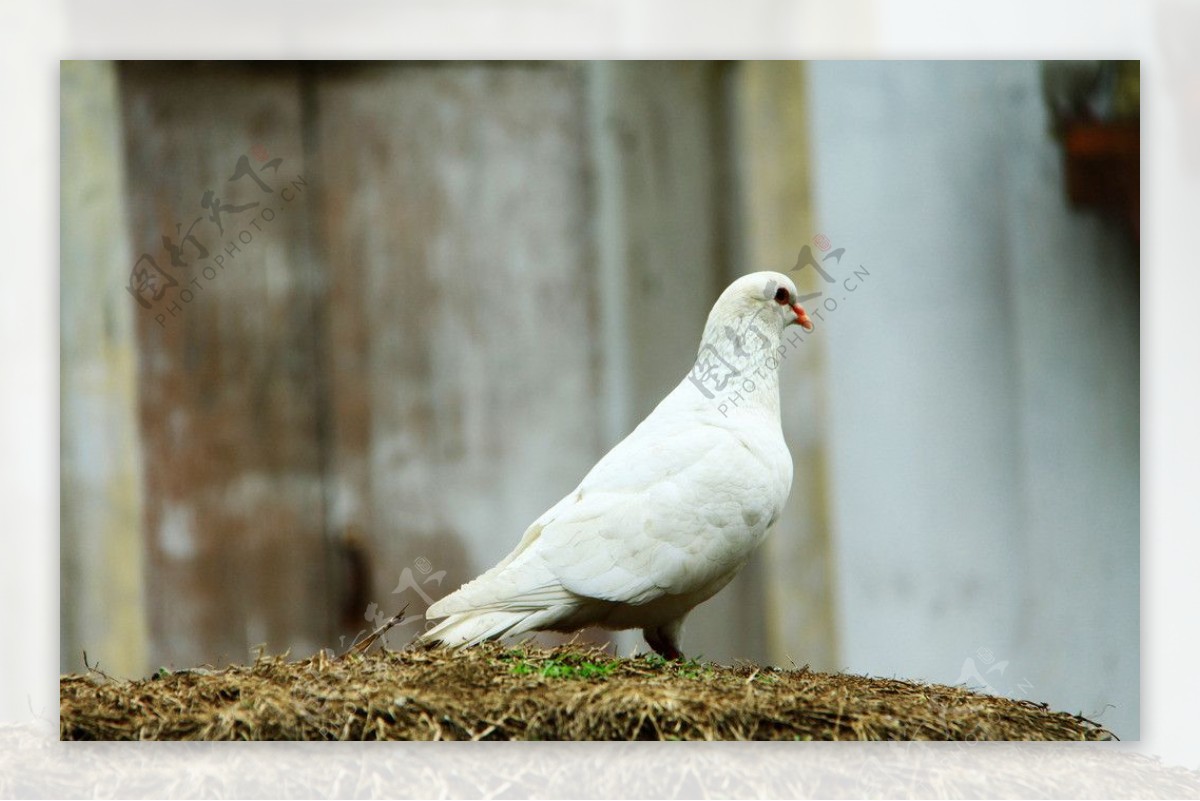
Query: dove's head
[{"x": 768, "y": 296}]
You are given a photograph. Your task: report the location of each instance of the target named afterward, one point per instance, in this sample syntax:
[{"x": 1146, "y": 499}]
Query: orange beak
[{"x": 802, "y": 317}]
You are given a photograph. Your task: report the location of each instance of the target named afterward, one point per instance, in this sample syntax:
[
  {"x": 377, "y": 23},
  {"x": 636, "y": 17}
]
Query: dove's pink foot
[{"x": 665, "y": 641}]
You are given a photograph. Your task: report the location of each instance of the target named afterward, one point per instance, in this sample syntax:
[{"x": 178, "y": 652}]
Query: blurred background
[{"x": 333, "y": 334}]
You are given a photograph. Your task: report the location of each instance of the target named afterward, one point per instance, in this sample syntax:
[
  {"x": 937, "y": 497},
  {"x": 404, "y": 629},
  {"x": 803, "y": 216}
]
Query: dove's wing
[
  {"x": 527, "y": 585},
  {"x": 675, "y": 509},
  {"x": 672, "y": 508},
  {"x": 631, "y": 541}
]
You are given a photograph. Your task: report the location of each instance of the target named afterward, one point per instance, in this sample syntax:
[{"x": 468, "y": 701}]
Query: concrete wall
[{"x": 983, "y": 392}]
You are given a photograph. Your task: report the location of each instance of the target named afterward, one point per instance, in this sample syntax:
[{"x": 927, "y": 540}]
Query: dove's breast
[{"x": 756, "y": 479}]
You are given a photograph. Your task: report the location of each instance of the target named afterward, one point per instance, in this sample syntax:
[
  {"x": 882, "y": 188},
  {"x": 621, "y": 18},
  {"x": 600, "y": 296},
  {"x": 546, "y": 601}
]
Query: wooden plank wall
[
  {"x": 481, "y": 277},
  {"x": 462, "y": 320},
  {"x": 229, "y": 383},
  {"x": 776, "y": 219}
]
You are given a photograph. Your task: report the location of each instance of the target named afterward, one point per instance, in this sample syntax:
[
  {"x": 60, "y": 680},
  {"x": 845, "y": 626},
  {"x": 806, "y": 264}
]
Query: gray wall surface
[{"x": 983, "y": 392}]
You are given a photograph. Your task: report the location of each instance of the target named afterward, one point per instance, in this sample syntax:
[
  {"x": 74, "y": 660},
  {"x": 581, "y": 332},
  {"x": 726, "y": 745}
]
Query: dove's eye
[{"x": 782, "y": 296}]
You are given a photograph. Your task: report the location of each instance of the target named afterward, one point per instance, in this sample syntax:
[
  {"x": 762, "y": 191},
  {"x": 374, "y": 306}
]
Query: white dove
[{"x": 668, "y": 516}]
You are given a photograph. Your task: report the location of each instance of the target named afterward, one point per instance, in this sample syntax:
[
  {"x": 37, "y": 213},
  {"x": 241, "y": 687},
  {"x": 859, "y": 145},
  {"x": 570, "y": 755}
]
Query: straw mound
[{"x": 496, "y": 693}]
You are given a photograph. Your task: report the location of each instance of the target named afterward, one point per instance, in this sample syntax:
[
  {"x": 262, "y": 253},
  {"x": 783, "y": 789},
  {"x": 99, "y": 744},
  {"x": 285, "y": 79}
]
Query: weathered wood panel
[
  {"x": 463, "y": 313},
  {"x": 776, "y": 221},
  {"x": 228, "y": 382}
]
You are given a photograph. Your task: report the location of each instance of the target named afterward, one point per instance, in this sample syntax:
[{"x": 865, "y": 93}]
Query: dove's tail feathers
[{"x": 474, "y": 627}]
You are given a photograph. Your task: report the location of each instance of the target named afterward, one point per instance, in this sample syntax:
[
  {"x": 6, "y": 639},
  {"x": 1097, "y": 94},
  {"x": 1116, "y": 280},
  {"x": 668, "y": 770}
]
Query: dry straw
[{"x": 566, "y": 693}]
